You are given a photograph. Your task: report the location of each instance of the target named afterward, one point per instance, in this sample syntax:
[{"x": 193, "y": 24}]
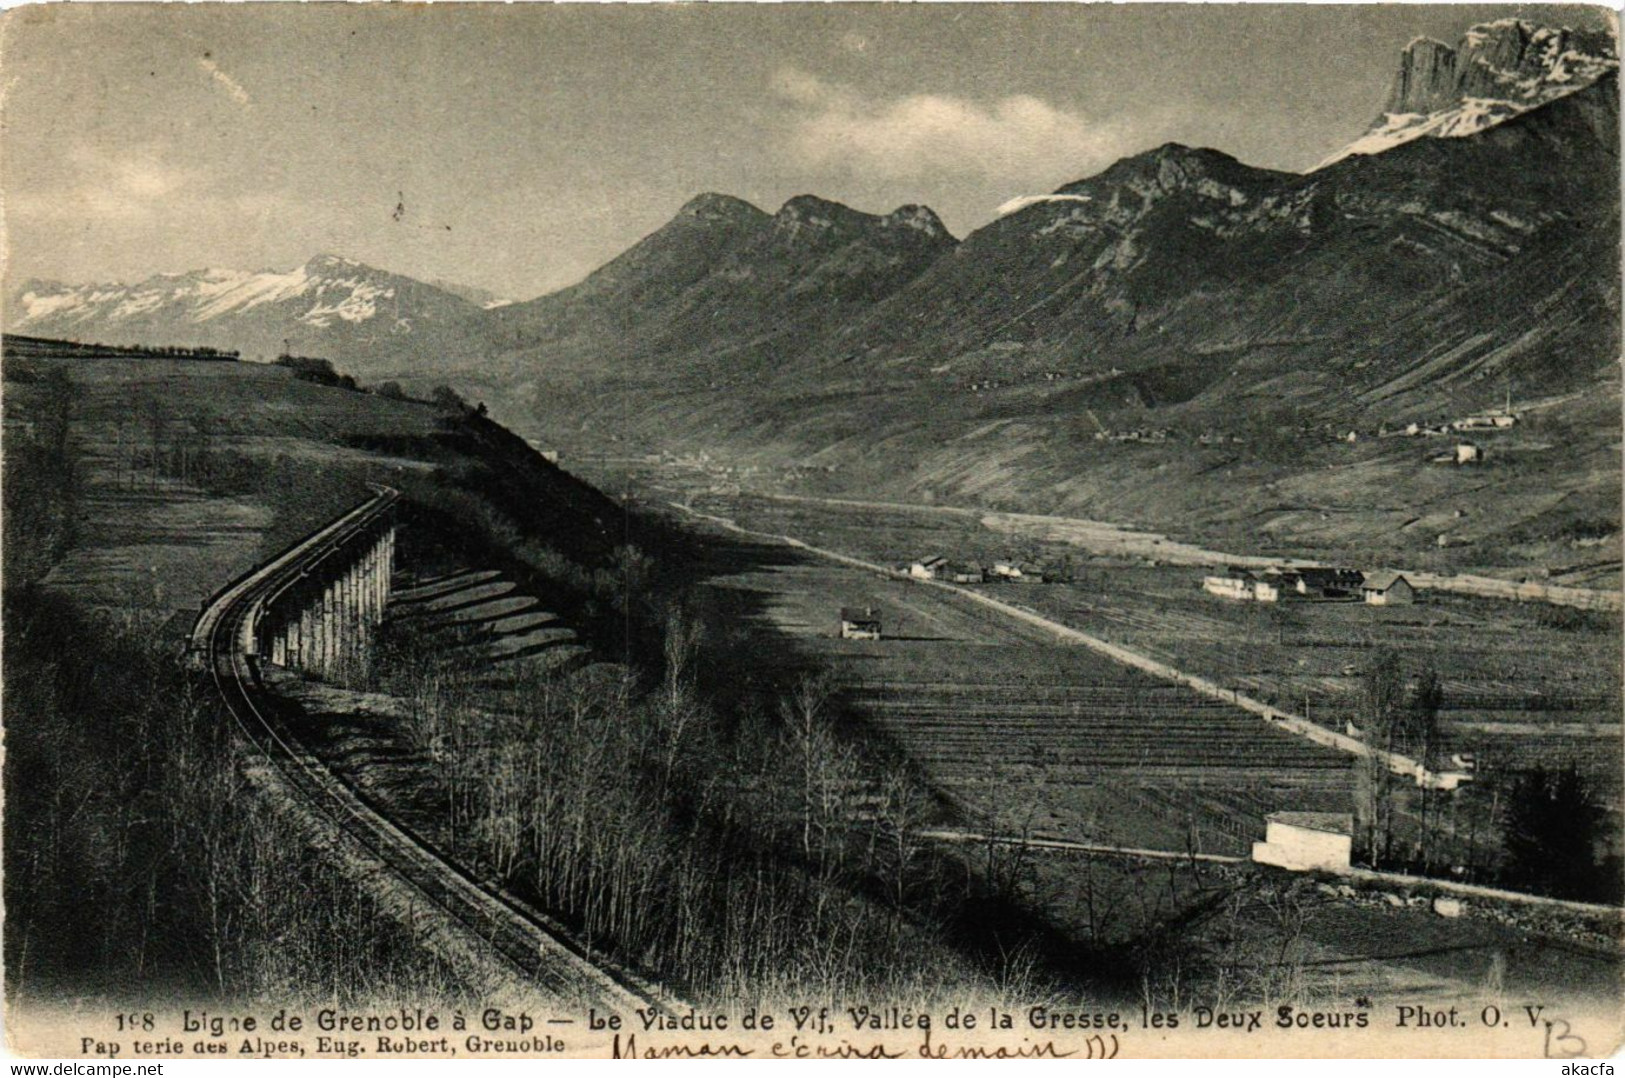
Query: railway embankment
[{"x": 227, "y": 644}]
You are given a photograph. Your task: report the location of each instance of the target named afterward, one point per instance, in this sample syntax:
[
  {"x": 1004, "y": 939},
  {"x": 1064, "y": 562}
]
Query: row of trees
[
  {"x": 135, "y": 851},
  {"x": 322, "y": 372},
  {"x": 174, "y": 351},
  {"x": 43, "y": 480},
  {"x": 752, "y": 855},
  {"x": 1539, "y": 828}
]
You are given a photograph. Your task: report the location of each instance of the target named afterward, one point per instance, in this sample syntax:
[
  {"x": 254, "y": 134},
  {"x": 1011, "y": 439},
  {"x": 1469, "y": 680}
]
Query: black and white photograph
[{"x": 811, "y": 530}]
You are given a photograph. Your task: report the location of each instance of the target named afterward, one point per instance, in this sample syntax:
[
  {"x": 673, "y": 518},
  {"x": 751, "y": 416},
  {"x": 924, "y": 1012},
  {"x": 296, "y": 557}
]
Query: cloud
[
  {"x": 1018, "y": 139},
  {"x": 127, "y": 186},
  {"x": 232, "y": 86}
]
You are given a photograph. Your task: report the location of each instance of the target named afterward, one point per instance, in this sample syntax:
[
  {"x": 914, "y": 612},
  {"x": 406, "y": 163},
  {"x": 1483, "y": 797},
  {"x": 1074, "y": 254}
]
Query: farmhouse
[
  {"x": 859, "y": 623},
  {"x": 1307, "y": 841},
  {"x": 1267, "y": 588},
  {"x": 1491, "y": 421},
  {"x": 928, "y": 568},
  {"x": 1326, "y": 582},
  {"x": 1234, "y": 584},
  {"x": 1388, "y": 589}
]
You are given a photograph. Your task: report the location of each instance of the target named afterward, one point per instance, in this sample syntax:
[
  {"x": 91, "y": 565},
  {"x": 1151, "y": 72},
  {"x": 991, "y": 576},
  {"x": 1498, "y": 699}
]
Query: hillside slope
[
  {"x": 721, "y": 278},
  {"x": 1222, "y": 326}
]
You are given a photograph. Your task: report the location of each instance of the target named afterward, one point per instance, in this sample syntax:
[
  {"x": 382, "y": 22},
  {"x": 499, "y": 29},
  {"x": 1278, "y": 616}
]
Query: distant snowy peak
[
  {"x": 324, "y": 290},
  {"x": 1497, "y": 70}
]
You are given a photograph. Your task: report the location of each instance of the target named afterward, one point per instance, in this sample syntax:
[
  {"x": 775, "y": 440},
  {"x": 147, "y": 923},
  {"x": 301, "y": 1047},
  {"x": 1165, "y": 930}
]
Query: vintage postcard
[{"x": 811, "y": 530}]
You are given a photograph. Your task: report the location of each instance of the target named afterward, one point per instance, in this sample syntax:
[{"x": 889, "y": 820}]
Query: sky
[{"x": 516, "y": 147}]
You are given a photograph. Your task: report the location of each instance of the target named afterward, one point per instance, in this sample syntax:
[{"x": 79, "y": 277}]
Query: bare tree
[{"x": 1381, "y": 710}]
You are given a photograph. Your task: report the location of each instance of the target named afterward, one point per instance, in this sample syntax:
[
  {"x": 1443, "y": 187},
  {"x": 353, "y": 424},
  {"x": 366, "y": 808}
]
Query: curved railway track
[{"x": 540, "y": 951}]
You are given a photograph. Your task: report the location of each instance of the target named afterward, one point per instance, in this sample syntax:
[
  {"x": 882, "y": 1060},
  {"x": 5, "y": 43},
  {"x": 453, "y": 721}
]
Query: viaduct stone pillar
[{"x": 328, "y": 622}]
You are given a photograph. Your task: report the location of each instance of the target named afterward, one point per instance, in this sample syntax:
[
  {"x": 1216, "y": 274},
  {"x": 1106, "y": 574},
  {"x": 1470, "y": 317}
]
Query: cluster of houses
[
  {"x": 1314, "y": 584},
  {"x": 1464, "y": 452},
  {"x": 1488, "y": 421},
  {"x": 1014, "y": 379},
  {"x": 1137, "y": 434},
  {"x": 970, "y": 572}
]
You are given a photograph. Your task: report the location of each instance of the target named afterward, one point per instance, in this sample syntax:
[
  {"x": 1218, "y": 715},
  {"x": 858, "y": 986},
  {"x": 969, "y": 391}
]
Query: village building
[
  {"x": 1236, "y": 584},
  {"x": 1468, "y": 453},
  {"x": 859, "y": 623},
  {"x": 1005, "y": 570},
  {"x": 1326, "y": 582},
  {"x": 1388, "y": 589},
  {"x": 1492, "y": 421},
  {"x": 927, "y": 568},
  {"x": 1267, "y": 588},
  {"x": 962, "y": 573},
  {"x": 1307, "y": 841}
]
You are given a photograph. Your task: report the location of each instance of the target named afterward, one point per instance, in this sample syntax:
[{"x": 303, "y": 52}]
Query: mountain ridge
[{"x": 328, "y": 304}]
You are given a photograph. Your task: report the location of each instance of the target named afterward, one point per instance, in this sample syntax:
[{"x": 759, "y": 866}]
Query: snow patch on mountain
[
  {"x": 336, "y": 288},
  {"x": 1021, "y": 202}
]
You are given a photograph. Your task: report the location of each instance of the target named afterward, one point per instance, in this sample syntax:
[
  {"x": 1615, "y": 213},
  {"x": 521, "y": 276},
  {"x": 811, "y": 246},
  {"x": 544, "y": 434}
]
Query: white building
[
  {"x": 859, "y": 623},
  {"x": 1238, "y": 586},
  {"x": 1307, "y": 841},
  {"x": 927, "y": 568},
  {"x": 1493, "y": 421}
]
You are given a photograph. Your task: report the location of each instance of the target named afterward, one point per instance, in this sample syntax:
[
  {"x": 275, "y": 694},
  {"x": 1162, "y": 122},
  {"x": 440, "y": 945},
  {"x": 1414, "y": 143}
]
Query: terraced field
[
  {"x": 485, "y": 624},
  {"x": 160, "y": 540}
]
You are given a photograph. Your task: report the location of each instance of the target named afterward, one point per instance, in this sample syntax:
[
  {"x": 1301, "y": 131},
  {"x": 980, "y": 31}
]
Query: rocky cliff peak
[
  {"x": 820, "y": 213},
  {"x": 711, "y": 206},
  {"x": 808, "y": 219},
  {"x": 1496, "y": 71},
  {"x": 921, "y": 219},
  {"x": 1426, "y": 79}
]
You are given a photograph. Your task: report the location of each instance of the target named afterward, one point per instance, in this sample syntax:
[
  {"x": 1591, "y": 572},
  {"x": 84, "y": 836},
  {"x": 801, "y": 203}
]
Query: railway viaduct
[
  {"x": 323, "y": 621},
  {"x": 315, "y": 607}
]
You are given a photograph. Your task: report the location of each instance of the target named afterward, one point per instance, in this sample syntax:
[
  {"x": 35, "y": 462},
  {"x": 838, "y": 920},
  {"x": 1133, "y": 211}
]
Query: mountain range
[
  {"x": 1464, "y": 250},
  {"x": 328, "y": 306}
]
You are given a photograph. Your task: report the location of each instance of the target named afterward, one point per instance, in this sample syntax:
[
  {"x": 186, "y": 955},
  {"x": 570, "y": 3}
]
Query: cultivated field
[
  {"x": 191, "y": 472},
  {"x": 1029, "y": 735},
  {"x": 1524, "y": 683}
]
